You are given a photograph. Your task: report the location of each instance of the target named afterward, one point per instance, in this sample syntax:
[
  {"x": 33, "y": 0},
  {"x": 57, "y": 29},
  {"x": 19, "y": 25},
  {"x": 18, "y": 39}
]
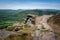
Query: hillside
[
  {"x": 44, "y": 27},
  {"x": 8, "y": 17},
  {"x": 54, "y": 22},
  {"x": 36, "y": 28}
]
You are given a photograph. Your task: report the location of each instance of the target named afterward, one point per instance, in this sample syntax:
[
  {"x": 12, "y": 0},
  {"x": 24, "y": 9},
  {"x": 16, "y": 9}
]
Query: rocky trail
[{"x": 49, "y": 34}]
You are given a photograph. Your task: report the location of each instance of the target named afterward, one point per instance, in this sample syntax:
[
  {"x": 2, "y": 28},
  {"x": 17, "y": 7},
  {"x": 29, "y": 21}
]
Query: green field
[{"x": 9, "y": 17}]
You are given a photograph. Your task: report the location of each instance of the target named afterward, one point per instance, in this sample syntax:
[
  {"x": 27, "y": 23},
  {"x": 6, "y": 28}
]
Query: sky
[{"x": 30, "y": 4}]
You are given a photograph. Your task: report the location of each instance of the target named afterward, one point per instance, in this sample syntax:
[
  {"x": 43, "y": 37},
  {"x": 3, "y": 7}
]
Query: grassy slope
[{"x": 54, "y": 22}]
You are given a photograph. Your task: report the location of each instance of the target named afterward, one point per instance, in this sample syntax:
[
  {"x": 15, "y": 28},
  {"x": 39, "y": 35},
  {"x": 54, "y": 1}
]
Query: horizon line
[{"x": 28, "y": 9}]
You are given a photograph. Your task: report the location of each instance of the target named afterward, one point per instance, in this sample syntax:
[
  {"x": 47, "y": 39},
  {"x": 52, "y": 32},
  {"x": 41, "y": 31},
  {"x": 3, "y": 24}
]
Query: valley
[{"x": 28, "y": 24}]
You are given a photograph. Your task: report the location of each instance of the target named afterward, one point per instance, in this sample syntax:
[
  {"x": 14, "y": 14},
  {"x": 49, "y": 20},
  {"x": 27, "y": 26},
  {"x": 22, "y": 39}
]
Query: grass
[
  {"x": 18, "y": 36},
  {"x": 43, "y": 30},
  {"x": 10, "y": 28},
  {"x": 12, "y": 37},
  {"x": 20, "y": 33}
]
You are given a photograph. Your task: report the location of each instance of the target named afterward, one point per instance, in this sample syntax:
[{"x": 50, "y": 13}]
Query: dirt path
[{"x": 49, "y": 34}]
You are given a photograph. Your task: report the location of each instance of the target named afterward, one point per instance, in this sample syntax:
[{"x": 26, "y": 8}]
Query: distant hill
[
  {"x": 8, "y": 17},
  {"x": 9, "y": 11}
]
